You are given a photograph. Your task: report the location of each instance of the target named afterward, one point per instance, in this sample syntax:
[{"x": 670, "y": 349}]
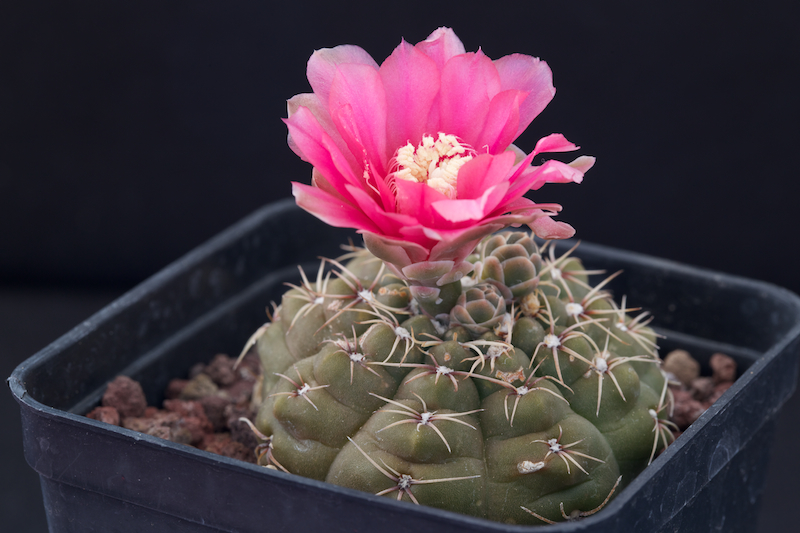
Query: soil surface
[
  {"x": 201, "y": 410},
  {"x": 693, "y": 393},
  {"x": 204, "y": 409}
]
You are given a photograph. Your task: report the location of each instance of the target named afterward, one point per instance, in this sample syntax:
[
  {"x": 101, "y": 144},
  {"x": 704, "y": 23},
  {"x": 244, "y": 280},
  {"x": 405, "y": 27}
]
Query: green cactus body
[
  {"x": 528, "y": 407},
  {"x": 512, "y": 261}
]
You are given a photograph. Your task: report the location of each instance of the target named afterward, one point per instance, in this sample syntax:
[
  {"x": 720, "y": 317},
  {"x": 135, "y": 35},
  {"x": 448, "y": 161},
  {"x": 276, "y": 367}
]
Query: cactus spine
[{"x": 525, "y": 404}]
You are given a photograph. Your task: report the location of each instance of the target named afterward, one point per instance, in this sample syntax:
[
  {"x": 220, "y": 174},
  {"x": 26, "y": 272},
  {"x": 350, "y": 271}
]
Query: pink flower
[{"x": 416, "y": 153}]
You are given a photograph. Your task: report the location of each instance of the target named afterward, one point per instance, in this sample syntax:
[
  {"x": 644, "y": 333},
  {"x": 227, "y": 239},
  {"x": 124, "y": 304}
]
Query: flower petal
[
  {"x": 519, "y": 154},
  {"x": 323, "y": 63},
  {"x": 421, "y": 235},
  {"x": 441, "y": 45},
  {"x": 416, "y": 249},
  {"x": 329, "y": 209},
  {"x": 389, "y": 222},
  {"x": 320, "y": 112},
  {"x": 521, "y": 211},
  {"x": 502, "y": 121},
  {"x": 583, "y": 163},
  {"x": 319, "y": 149},
  {"x": 529, "y": 74},
  {"x": 469, "y": 82},
  {"x": 321, "y": 182},
  {"x": 551, "y": 172},
  {"x": 379, "y": 186},
  {"x": 411, "y": 82},
  {"x": 483, "y": 172},
  {"x": 415, "y": 199},
  {"x": 547, "y": 228},
  {"x": 358, "y": 108},
  {"x": 392, "y": 251},
  {"x": 555, "y": 142},
  {"x": 557, "y": 172},
  {"x": 460, "y": 211},
  {"x": 460, "y": 243}
]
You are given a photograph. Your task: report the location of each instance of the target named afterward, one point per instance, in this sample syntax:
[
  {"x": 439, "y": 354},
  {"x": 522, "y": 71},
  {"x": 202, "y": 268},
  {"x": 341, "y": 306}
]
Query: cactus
[{"x": 526, "y": 404}]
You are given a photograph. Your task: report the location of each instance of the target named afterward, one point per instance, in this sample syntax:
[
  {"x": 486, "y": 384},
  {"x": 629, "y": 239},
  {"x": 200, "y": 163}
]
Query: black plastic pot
[{"x": 97, "y": 477}]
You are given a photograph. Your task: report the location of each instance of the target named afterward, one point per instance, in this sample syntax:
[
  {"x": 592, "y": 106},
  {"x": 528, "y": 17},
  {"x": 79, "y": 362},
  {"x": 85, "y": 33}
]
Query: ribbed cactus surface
[{"x": 525, "y": 404}]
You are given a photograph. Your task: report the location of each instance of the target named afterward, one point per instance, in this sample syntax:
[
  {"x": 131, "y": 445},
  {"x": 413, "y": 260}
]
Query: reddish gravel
[
  {"x": 202, "y": 411},
  {"x": 693, "y": 393},
  {"x": 126, "y": 396},
  {"x": 109, "y": 415}
]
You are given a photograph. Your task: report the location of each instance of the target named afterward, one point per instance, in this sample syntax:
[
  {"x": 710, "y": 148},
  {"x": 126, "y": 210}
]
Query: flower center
[{"x": 435, "y": 161}]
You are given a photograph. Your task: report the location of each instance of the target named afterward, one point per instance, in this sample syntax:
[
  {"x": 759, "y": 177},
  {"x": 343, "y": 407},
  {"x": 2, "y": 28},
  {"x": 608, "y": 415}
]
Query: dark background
[{"x": 132, "y": 132}]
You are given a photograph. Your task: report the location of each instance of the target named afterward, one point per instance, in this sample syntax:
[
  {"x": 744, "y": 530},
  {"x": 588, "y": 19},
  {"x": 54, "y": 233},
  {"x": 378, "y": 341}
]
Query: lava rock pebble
[{"x": 126, "y": 396}]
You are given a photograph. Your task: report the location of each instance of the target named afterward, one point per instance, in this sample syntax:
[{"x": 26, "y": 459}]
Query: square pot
[{"x": 97, "y": 477}]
